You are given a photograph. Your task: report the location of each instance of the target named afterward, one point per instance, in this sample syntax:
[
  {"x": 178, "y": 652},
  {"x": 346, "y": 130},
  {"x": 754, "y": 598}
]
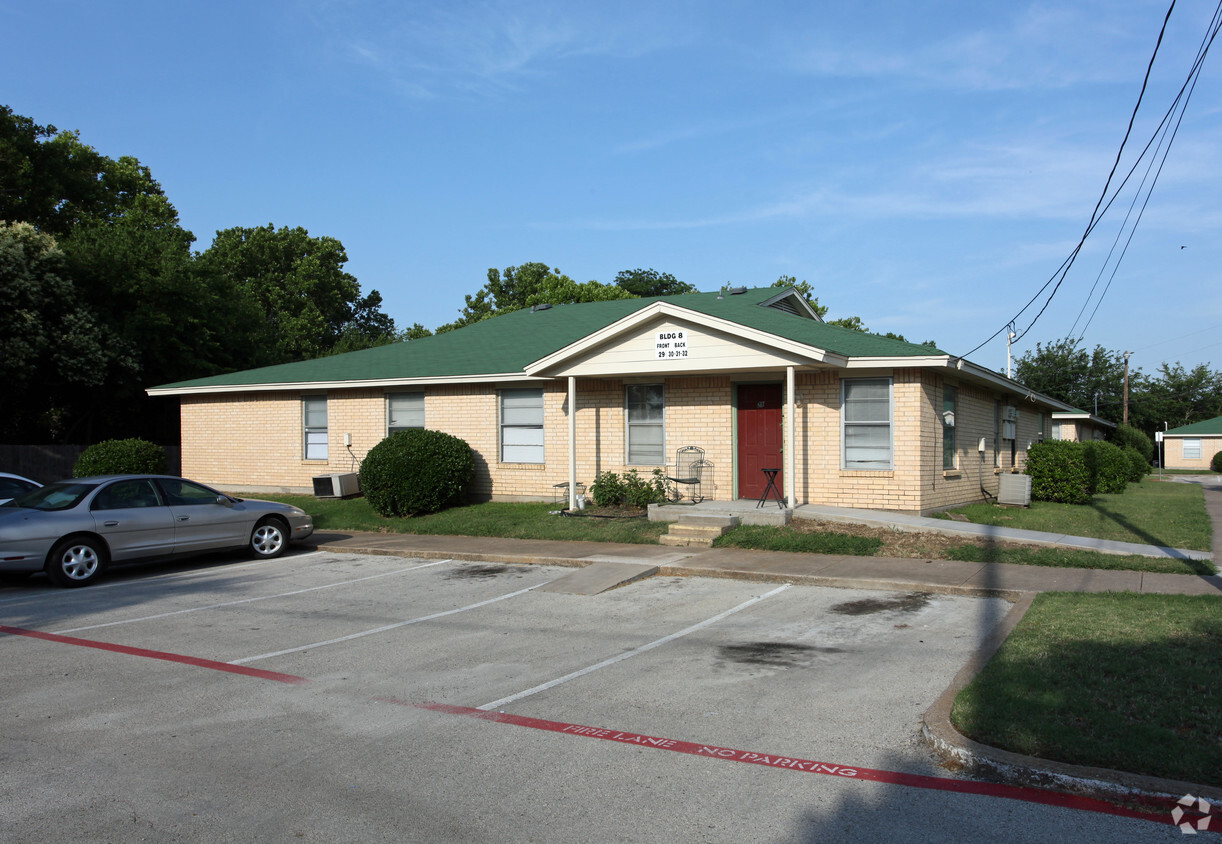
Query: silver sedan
[{"x": 73, "y": 529}]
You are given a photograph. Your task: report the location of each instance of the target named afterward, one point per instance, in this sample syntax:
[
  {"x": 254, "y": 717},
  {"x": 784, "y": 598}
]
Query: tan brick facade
[{"x": 255, "y": 441}]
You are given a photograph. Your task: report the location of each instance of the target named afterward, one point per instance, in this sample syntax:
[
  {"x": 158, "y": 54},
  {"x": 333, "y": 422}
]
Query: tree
[
  {"x": 305, "y": 299},
  {"x": 1070, "y": 374},
  {"x": 650, "y": 282},
  {"x": 1176, "y": 397},
  {"x": 527, "y": 285},
  {"x": 54, "y": 355}
]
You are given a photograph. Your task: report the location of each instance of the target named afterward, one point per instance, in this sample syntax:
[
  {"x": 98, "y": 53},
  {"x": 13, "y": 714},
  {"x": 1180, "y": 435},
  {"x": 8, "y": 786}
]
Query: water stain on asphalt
[
  {"x": 911, "y": 602},
  {"x": 773, "y": 654},
  {"x": 478, "y": 572}
]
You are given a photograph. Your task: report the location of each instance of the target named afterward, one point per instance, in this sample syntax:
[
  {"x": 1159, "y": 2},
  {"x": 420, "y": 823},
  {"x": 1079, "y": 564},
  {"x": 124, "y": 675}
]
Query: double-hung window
[
  {"x": 1192, "y": 449},
  {"x": 403, "y": 411},
  {"x": 646, "y": 432},
  {"x": 522, "y": 426},
  {"x": 950, "y": 398},
  {"x": 314, "y": 427},
  {"x": 866, "y": 423}
]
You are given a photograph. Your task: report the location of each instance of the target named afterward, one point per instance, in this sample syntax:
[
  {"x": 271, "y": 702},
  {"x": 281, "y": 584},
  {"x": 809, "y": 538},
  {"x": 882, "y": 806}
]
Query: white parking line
[
  {"x": 394, "y": 626},
  {"x": 635, "y": 652},
  {"x": 251, "y": 600}
]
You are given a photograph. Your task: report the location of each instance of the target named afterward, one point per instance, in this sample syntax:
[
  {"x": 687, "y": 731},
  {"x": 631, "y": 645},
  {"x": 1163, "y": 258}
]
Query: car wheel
[
  {"x": 76, "y": 561},
  {"x": 269, "y": 539}
]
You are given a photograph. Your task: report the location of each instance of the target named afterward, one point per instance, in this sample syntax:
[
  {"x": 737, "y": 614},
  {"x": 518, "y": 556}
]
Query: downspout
[
  {"x": 790, "y": 427},
  {"x": 572, "y": 443}
]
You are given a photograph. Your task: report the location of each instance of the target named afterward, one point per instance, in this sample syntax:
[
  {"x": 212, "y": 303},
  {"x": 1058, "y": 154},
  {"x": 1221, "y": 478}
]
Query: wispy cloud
[{"x": 483, "y": 48}]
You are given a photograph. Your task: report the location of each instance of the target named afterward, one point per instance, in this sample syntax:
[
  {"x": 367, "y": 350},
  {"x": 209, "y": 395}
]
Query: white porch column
[
  {"x": 572, "y": 443},
  {"x": 790, "y": 440}
]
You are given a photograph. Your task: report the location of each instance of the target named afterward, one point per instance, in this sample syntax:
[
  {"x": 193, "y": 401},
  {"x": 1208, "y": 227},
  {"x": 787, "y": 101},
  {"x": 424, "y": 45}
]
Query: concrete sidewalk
[{"x": 946, "y": 576}]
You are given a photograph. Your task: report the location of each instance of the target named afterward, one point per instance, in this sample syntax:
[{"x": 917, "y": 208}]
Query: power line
[{"x": 1097, "y": 214}]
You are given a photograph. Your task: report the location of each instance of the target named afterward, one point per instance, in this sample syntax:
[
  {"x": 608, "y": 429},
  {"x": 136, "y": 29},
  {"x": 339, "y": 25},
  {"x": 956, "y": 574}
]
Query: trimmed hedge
[
  {"x": 1127, "y": 435},
  {"x": 415, "y": 472},
  {"x": 1139, "y": 467},
  {"x": 1108, "y": 467},
  {"x": 1058, "y": 472},
  {"x": 120, "y": 457},
  {"x": 1216, "y": 463}
]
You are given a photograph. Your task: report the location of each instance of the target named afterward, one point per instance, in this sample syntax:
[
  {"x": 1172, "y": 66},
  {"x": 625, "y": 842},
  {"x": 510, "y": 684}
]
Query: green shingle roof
[
  {"x": 507, "y": 344},
  {"x": 1207, "y": 427}
]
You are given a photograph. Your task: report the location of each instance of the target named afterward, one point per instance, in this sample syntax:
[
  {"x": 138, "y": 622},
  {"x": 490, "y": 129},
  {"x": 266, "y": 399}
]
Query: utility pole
[
  {"x": 1126, "y": 387},
  {"x": 1010, "y": 335}
]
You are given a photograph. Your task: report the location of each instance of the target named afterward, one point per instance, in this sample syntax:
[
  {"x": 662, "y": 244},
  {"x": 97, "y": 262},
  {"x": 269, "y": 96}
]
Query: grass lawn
[
  {"x": 513, "y": 520},
  {"x": 1115, "y": 680},
  {"x": 1151, "y": 513}
]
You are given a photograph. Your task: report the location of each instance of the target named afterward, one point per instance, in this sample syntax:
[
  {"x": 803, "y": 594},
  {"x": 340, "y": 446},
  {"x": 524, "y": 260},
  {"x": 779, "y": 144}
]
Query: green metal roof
[
  {"x": 507, "y": 344},
  {"x": 1207, "y": 427}
]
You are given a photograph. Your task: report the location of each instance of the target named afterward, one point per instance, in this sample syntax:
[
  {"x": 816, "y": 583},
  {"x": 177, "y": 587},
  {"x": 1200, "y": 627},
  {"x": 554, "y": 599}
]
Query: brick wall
[{"x": 253, "y": 441}]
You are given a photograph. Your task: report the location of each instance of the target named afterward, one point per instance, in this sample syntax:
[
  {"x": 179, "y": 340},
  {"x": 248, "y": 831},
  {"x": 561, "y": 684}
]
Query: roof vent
[
  {"x": 737, "y": 291},
  {"x": 542, "y": 307}
]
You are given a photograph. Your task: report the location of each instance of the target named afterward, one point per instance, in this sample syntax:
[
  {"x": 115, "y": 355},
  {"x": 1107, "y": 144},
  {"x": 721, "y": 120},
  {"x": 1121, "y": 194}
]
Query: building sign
[{"x": 671, "y": 344}]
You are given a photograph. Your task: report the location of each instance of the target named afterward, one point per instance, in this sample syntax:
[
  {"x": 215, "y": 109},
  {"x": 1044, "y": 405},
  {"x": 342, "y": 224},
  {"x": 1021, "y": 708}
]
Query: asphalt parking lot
[{"x": 340, "y": 697}]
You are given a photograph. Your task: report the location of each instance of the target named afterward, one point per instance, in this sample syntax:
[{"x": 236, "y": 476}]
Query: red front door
[{"x": 759, "y": 437}]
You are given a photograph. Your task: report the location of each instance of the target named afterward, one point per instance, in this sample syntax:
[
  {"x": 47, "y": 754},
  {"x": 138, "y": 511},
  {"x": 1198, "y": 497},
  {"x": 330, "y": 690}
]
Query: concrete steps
[{"x": 698, "y": 530}]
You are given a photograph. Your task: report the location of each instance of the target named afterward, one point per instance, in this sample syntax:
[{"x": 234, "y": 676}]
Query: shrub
[
  {"x": 1108, "y": 467},
  {"x": 607, "y": 489},
  {"x": 120, "y": 457},
  {"x": 1216, "y": 463},
  {"x": 1127, "y": 435},
  {"x": 610, "y": 490},
  {"x": 416, "y": 471},
  {"x": 1058, "y": 472},
  {"x": 1138, "y": 466}
]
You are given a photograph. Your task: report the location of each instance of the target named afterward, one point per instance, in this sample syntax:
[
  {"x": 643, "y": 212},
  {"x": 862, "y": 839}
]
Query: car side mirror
[{"x": 224, "y": 500}]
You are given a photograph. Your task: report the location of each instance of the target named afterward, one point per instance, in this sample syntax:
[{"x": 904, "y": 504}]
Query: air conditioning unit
[{"x": 337, "y": 486}]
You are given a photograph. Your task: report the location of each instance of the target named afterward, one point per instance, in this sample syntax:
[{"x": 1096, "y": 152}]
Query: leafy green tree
[
  {"x": 650, "y": 282},
  {"x": 1177, "y": 396},
  {"x": 528, "y": 285},
  {"x": 55, "y": 357},
  {"x": 306, "y": 300},
  {"x": 1065, "y": 371}
]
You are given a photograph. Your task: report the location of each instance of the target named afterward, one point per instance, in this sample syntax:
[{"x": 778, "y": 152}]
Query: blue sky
[{"x": 926, "y": 166}]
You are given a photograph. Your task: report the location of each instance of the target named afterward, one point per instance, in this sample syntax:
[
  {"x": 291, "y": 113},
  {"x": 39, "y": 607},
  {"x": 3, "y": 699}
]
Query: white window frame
[
  {"x": 638, "y": 455},
  {"x": 1057, "y": 430},
  {"x": 314, "y": 439},
  {"x": 521, "y": 425},
  {"x": 846, "y": 425},
  {"x": 1195, "y": 448},
  {"x": 950, "y": 393},
  {"x": 411, "y": 415}
]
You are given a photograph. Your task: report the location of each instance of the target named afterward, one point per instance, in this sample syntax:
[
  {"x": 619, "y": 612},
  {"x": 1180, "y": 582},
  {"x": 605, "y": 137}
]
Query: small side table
[{"x": 771, "y": 488}]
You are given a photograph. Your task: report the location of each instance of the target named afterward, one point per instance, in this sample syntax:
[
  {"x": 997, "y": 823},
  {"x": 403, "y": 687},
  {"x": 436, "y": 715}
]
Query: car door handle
[
  {"x": 110, "y": 524},
  {"x": 184, "y": 518}
]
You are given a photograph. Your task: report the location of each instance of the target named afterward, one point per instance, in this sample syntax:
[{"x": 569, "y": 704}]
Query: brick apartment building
[{"x": 562, "y": 393}]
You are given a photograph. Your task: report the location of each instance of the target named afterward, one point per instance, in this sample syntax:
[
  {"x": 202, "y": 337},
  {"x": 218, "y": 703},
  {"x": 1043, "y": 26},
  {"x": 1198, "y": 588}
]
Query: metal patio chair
[{"x": 689, "y": 469}]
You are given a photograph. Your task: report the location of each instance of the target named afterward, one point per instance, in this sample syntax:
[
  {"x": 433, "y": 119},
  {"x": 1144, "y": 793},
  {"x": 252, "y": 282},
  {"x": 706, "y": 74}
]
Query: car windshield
[{"x": 59, "y": 496}]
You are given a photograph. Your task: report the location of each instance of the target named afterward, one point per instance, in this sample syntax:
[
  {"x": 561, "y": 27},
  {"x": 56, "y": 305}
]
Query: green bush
[
  {"x": 607, "y": 490},
  {"x": 1216, "y": 463},
  {"x": 610, "y": 490},
  {"x": 1127, "y": 435},
  {"x": 1108, "y": 467},
  {"x": 120, "y": 457},
  {"x": 1138, "y": 466},
  {"x": 1058, "y": 472},
  {"x": 416, "y": 471}
]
